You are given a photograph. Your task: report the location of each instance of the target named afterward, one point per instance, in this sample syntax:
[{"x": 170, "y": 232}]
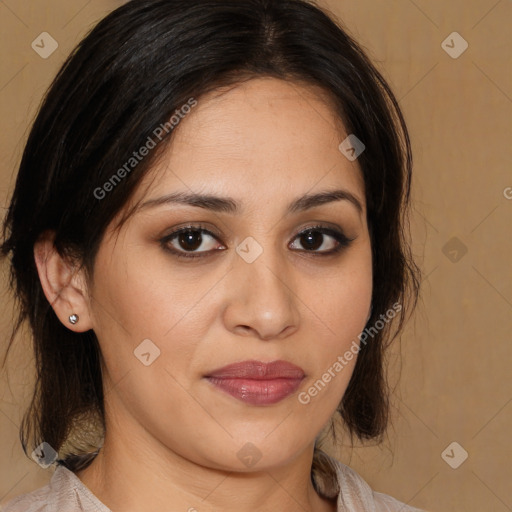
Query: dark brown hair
[{"x": 127, "y": 77}]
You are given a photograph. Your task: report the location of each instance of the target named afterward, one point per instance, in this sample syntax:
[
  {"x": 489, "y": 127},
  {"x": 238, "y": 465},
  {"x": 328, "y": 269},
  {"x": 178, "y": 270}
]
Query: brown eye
[
  {"x": 185, "y": 242},
  {"x": 316, "y": 238},
  {"x": 199, "y": 242},
  {"x": 189, "y": 240},
  {"x": 312, "y": 240}
]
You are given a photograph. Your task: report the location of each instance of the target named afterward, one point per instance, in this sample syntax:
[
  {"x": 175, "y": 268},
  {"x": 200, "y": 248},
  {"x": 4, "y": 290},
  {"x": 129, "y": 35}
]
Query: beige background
[{"x": 454, "y": 383}]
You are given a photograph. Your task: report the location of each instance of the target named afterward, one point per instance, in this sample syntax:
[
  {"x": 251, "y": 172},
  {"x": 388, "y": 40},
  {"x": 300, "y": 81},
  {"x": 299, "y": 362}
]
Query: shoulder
[
  {"x": 65, "y": 491},
  {"x": 39, "y": 500},
  {"x": 354, "y": 493}
]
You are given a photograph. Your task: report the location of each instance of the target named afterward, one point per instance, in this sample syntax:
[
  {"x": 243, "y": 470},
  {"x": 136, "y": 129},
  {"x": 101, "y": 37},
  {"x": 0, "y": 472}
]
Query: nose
[{"x": 262, "y": 300}]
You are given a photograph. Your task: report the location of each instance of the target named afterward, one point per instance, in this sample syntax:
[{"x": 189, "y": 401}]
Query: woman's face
[{"x": 258, "y": 290}]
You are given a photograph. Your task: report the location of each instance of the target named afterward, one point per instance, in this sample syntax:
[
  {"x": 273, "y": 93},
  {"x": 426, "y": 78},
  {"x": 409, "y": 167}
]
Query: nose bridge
[{"x": 263, "y": 298}]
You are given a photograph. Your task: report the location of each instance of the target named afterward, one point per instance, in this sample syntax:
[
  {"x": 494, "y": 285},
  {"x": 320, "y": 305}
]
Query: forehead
[{"x": 261, "y": 140}]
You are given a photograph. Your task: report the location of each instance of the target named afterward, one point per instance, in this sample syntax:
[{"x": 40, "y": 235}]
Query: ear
[{"x": 63, "y": 283}]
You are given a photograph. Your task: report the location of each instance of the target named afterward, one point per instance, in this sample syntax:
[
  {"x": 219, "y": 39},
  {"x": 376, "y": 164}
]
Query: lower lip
[{"x": 257, "y": 392}]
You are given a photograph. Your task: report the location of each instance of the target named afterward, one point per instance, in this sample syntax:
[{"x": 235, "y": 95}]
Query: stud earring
[{"x": 73, "y": 319}]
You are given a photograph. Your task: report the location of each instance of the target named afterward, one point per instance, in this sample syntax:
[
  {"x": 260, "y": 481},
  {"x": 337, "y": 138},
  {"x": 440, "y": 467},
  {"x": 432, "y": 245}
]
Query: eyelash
[{"x": 343, "y": 241}]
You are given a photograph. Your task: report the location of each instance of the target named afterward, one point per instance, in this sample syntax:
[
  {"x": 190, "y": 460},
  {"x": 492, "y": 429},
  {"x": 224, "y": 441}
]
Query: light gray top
[{"x": 66, "y": 493}]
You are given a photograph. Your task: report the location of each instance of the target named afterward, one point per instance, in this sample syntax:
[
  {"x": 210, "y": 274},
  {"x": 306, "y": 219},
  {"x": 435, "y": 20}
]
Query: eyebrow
[{"x": 232, "y": 206}]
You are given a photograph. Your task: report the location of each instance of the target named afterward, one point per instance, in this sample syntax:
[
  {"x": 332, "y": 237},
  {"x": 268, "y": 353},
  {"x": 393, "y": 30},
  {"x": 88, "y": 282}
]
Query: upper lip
[{"x": 258, "y": 370}]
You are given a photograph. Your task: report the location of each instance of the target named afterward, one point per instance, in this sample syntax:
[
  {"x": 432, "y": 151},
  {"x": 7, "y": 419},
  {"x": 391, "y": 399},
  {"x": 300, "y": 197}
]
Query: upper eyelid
[
  {"x": 202, "y": 229},
  {"x": 191, "y": 228}
]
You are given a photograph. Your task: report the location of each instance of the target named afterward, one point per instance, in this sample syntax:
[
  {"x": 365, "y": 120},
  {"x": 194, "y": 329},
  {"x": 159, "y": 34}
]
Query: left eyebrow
[{"x": 232, "y": 206}]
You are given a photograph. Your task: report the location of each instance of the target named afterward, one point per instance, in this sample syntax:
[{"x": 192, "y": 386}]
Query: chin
[{"x": 256, "y": 453}]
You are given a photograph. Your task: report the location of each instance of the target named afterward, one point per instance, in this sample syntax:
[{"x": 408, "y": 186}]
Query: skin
[{"x": 172, "y": 437}]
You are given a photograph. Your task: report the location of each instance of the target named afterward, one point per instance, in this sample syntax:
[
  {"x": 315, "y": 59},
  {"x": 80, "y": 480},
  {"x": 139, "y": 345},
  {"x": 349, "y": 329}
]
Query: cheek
[
  {"x": 342, "y": 299},
  {"x": 147, "y": 296},
  {"x": 144, "y": 296},
  {"x": 340, "y": 308},
  {"x": 349, "y": 304}
]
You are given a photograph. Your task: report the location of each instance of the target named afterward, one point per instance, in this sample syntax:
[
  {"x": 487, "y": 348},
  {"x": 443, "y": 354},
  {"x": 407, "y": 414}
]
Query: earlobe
[{"x": 63, "y": 284}]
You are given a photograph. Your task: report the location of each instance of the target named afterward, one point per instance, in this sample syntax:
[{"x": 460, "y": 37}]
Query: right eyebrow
[{"x": 232, "y": 206}]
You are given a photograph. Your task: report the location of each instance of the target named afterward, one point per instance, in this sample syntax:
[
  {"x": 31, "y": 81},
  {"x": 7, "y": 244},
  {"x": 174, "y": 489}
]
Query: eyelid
[
  {"x": 194, "y": 226},
  {"x": 164, "y": 241},
  {"x": 334, "y": 232}
]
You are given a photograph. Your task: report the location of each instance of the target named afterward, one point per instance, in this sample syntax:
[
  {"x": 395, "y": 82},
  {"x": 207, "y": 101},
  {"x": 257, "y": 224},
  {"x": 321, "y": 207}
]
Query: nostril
[{"x": 244, "y": 329}]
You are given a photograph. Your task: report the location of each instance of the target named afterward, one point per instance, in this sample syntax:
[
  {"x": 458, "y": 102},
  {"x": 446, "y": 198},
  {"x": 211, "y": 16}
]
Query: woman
[{"x": 207, "y": 236}]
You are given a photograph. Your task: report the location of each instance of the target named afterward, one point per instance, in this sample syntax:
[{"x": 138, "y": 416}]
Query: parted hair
[{"x": 130, "y": 74}]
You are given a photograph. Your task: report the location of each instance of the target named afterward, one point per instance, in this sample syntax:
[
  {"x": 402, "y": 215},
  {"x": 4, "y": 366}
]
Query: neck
[{"x": 134, "y": 472}]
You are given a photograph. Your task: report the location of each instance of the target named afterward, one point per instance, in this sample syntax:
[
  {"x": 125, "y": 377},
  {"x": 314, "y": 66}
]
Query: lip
[{"x": 257, "y": 382}]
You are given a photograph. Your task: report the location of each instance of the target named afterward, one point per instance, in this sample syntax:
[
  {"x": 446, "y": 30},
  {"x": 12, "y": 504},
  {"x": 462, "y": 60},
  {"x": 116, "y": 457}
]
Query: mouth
[{"x": 256, "y": 382}]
